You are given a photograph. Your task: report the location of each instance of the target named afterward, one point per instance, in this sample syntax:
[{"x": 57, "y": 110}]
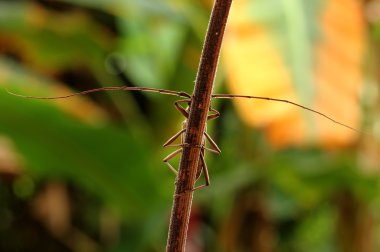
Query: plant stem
[{"x": 195, "y": 127}]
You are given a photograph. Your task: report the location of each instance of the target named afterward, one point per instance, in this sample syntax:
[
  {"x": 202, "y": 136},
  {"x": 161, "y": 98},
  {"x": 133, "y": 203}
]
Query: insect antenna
[
  {"x": 233, "y": 96},
  {"x": 186, "y": 95},
  {"x": 154, "y": 90}
]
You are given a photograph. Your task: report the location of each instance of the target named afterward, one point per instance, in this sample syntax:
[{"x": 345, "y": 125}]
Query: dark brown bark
[
  {"x": 355, "y": 230},
  {"x": 196, "y": 125},
  {"x": 250, "y": 226}
]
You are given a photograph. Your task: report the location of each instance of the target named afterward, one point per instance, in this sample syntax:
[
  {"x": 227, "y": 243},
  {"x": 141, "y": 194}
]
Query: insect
[
  {"x": 179, "y": 105},
  {"x": 202, "y": 167}
]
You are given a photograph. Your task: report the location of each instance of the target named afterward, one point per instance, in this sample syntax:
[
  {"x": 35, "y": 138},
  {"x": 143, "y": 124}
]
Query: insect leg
[
  {"x": 170, "y": 156},
  {"x": 173, "y": 138},
  {"x": 205, "y": 172},
  {"x": 215, "y": 115},
  {"x": 180, "y": 108},
  {"x": 214, "y": 146}
]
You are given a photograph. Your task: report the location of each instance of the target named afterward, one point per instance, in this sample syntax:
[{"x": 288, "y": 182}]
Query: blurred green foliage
[{"x": 111, "y": 161}]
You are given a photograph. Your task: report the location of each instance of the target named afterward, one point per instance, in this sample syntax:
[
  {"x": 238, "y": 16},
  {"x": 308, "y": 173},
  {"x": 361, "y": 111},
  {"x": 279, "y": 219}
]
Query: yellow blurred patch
[{"x": 254, "y": 66}]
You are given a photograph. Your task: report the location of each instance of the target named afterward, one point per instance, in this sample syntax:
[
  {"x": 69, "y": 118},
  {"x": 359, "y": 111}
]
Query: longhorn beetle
[{"x": 202, "y": 167}]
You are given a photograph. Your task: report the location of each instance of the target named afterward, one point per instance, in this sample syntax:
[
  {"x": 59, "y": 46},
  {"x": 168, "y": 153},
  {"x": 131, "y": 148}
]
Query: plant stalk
[{"x": 199, "y": 107}]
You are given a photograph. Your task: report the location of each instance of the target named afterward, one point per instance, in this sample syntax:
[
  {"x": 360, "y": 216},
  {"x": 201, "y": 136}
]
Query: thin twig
[{"x": 195, "y": 128}]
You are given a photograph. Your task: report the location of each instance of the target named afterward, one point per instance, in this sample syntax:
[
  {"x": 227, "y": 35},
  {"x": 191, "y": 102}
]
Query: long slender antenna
[
  {"x": 233, "y": 96},
  {"x": 155, "y": 90},
  {"x": 186, "y": 95}
]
